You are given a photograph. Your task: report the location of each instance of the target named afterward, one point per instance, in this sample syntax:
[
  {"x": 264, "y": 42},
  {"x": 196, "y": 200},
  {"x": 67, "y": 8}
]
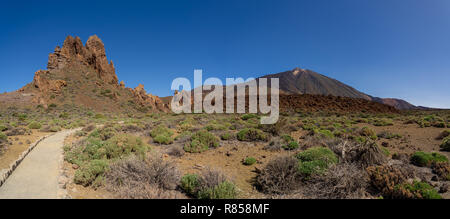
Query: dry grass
[
  {"x": 279, "y": 176},
  {"x": 343, "y": 181},
  {"x": 152, "y": 178}
]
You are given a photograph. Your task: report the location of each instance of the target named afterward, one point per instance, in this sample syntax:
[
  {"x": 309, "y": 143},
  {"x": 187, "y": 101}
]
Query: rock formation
[
  {"x": 143, "y": 98},
  {"x": 93, "y": 55},
  {"x": 90, "y": 80}
]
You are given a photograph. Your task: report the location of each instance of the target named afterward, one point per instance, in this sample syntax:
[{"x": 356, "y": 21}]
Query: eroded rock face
[
  {"x": 47, "y": 86},
  {"x": 145, "y": 99},
  {"x": 93, "y": 55}
]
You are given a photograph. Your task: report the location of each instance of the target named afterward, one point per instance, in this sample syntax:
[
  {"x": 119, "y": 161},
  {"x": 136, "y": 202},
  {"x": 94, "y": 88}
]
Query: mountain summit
[{"x": 303, "y": 81}]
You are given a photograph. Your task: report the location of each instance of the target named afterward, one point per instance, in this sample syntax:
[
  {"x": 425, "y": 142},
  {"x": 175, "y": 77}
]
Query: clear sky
[{"x": 385, "y": 48}]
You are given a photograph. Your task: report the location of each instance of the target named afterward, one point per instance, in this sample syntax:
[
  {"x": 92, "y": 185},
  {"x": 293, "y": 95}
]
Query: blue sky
[{"x": 385, "y": 48}]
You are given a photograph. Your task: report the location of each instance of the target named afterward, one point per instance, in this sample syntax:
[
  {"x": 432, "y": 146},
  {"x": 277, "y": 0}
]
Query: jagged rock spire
[{"x": 93, "y": 54}]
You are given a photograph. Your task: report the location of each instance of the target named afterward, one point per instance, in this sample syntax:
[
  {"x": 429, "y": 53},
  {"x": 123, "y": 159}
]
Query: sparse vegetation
[
  {"x": 315, "y": 160},
  {"x": 423, "y": 159},
  {"x": 445, "y": 146},
  {"x": 201, "y": 141},
  {"x": 35, "y": 125},
  {"x": 162, "y": 135},
  {"x": 249, "y": 161},
  {"x": 3, "y": 136},
  {"x": 212, "y": 184},
  {"x": 251, "y": 134}
]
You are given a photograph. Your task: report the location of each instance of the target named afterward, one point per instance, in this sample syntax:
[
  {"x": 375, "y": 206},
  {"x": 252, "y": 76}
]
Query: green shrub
[
  {"x": 423, "y": 159},
  {"x": 103, "y": 133},
  {"x": 226, "y": 136},
  {"x": 385, "y": 151},
  {"x": 122, "y": 145},
  {"x": 190, "y": 183},
  {"x": 3, "y": 136},
  {"x": 367, "y": 132},
  {"x": 90, "y": 173},
  {"x": 249, "y": 116},
  {"x": 55, "y": 128},
  {"x": 291, "y": 145},
  {"x": 225, "y": 190},
  {"x": 419, "y": 190},
  {"x": 316, "y": 160},
  {"x": 162, "y": 139},
  {"x": 248, "y": 161},
  {"x": 3, "y": 127},
  {"x": 442, "y": 135},
  {"x": 64, "y": 115},
  {"x": 251, "y": 134},
  {"x": 324, "y": 133},
  {"x": 35, "y": 125},
  {"x": 201, "y": 141},
  {"x": 162, "y": 135},
  {"x": 287, "y": 138},
  {"x": 382, "y": 122},
  {"x": 445, "y": 146},
  {"x": 99, "y": 116},
  {"x": 22, "y": 117}
]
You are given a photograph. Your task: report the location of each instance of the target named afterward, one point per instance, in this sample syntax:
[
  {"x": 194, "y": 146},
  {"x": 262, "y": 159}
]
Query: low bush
[
  {"x": 201, "y": 141},
  {"x": 324, "y": 133},
  {"x": 35, "y": 125},
  {"x": 251, "y": 134},
  {"x": 248, "y": 161},
  {"x": 416, "y": 190},
  {"x": 176, "y": 151},
  {"x": 388, "y": 135},
  {"x": 443, "y": 134},
  {"x": 291, "y": 145},
  {"x": 212, "y": 184},
  {"x": 3, "y": 127},
  {"x": 225, "y": 190},
  {"x": 315, "y": 160},
  {"x": 190, "y": 183},
  {"x": 92, "y": 173},
  {"x": 367, "y": 132},
  {"x": 3, "y": 136},
  {"x": 442, "y": 170},
  {"x": 423, "y": 159},
  {"x": 279, "y": 176},
  {"x": 99, "y": 116},
  {"x": 343, "y": 181},
  {"x": 104, "y": 133},
  {"x": 445, "y": 146},
  {"x": 249, "y": 116},
  {"x": 226, "y": 136},
  {"x": 385, "y": 178},
  {"x": 93, "y": 148},
  {"x": 162, "y": 135},
  {"x": 150, "y": 178},
  {"x": 275, "y": 129}
]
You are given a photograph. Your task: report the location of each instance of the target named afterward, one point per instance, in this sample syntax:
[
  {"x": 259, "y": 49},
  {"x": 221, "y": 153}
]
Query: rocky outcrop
[
  {"x": 93, "y": 55},
  {"x": 145, "y": 99},
  {"x": 47, "y": 86},
  {"x": 82, "y": 74}
]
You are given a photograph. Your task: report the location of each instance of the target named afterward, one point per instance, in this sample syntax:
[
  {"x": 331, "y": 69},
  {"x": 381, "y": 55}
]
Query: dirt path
[{"x": 37, "y": 176}]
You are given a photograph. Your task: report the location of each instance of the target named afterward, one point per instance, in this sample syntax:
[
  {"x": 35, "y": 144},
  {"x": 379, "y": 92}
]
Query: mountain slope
[{"x": 301, "y": 81}]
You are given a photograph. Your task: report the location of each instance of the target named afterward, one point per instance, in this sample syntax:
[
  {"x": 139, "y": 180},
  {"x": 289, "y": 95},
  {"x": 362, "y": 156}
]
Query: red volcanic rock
[
  {"x": 93, "y": 55},
  {"x": 145, "y": 99}
]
